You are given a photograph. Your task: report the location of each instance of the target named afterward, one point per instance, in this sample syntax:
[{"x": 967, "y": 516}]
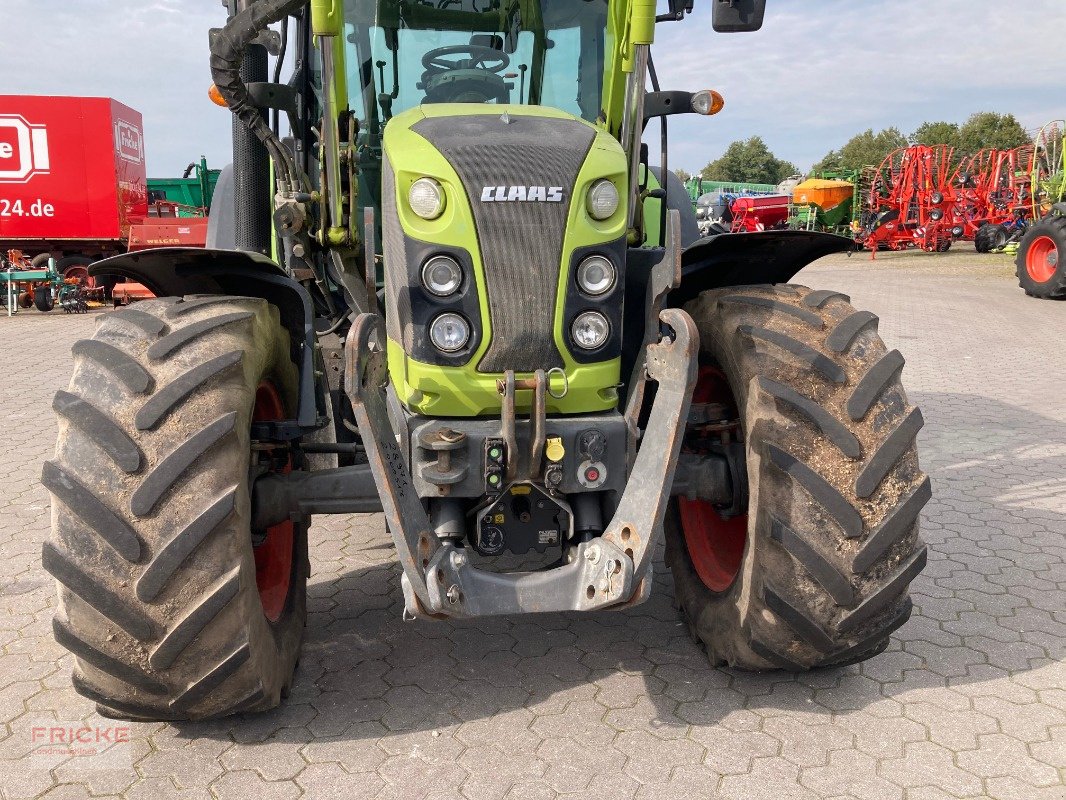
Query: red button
[{"x": 592, "y": 474}]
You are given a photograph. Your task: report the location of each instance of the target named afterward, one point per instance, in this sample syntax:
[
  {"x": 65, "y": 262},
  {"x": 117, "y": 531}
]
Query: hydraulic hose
[{"x": 227, "y": 54}]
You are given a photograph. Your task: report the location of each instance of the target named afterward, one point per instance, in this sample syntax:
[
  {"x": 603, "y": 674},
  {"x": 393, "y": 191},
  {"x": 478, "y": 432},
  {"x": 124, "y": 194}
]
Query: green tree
[
  {"x": 936, "y": 133},
  {"x": 749, "y": 161},
  {"x": 989, "y": 129},
  {"x": 862, "y": 149},
  {"x": 682, "y": 174}
]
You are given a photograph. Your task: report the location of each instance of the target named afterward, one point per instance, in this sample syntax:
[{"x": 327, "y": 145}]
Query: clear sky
[{"x": 818, "y": 72}]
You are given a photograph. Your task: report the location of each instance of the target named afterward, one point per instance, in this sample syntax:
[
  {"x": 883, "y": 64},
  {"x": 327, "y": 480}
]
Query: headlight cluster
[
  {"x": 443, "y": 277},
  {"x": 596, "y": 276}
]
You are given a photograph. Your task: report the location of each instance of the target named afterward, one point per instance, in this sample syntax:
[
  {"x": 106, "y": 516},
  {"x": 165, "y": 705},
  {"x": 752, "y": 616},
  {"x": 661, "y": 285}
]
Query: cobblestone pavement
[{"x": 969, "y": 700}]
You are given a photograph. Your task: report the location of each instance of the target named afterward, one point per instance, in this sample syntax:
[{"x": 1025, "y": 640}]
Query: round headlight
[
  {"x": 602, "y": 199},
  {"x": 590, "y": 330},
  {"x": 449, "y": 332},
  {"x": 426, "y": 198},
  {"x": 441, "y": 276},
  {"x": 595, "y": 275}
]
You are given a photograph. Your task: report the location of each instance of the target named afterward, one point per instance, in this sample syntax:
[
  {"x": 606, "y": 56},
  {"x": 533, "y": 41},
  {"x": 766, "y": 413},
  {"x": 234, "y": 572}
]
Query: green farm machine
[
  {"x": 453, "y": 291},
  {"x": 190, "y": 194}
]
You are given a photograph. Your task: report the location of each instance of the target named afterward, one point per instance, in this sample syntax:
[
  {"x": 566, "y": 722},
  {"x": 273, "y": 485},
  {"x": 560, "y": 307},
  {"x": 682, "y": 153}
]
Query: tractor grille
[
  {"x": 520, "y": 242},
  {"x": 398, "y": 323}
]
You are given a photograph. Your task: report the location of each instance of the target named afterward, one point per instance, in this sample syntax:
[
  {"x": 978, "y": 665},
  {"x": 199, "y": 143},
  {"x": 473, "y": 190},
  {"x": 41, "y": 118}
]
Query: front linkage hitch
[{"x": 611, "y": 569}]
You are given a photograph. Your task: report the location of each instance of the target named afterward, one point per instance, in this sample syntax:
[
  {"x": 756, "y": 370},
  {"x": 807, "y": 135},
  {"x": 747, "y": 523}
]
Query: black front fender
[
  {"x": 735, "y": 259},
  {"x": 179, "y": 271}
]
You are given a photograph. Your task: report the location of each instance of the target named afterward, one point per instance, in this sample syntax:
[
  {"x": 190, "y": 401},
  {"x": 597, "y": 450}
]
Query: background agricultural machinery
[
  {"x": 29, "y": 283},
  {"x": 916, "y": 199},
  {"x": 76, "y": 188},
  {"x": 1041, "y": 251},
  {"x": 993, "y": 190},
  {"x": 921, "y": 196},
  {"x": 826, "y": 203},
  {"x": 909, "y": 201}
]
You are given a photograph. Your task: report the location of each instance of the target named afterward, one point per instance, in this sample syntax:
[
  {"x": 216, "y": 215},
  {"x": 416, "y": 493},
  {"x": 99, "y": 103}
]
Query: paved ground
[{"x": 969, "y": 701}]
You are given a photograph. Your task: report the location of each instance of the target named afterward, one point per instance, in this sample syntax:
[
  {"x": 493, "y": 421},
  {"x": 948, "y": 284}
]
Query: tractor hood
[{"x": 515, "y": 180}]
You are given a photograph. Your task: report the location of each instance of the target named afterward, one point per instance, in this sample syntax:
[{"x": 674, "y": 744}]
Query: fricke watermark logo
[
  {"x": 129, "y": 142},
  {"x": 94, "y": 743}
]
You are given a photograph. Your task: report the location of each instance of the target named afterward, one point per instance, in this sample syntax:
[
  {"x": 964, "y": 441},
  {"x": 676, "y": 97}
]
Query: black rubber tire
[
  {"x": 990, "y": 237},
  {"x": 834, "y": 483},
  {"x": 42, "y": 293},
  {"x": 982, "y": 240},
  {"x": 151, "y": 541},
  {"x": 1054, "y": 288},
  {"x": 42, "y": 297}
]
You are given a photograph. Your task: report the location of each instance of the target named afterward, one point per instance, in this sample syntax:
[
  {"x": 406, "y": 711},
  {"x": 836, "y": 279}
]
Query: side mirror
[{"x": 737, "y": 16}]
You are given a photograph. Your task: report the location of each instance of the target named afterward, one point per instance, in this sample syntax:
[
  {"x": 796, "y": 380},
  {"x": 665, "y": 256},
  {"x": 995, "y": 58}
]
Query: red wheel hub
[
  {"x": 715, "y": 545},
  {"x": 273, "y": 557},
  {"x": 1042, "y": 259},
  {"x": 81, "y": 275}
]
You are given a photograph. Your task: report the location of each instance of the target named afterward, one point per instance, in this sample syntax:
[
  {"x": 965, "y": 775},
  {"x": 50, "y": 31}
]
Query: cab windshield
[{"x": 402, "y": 53}]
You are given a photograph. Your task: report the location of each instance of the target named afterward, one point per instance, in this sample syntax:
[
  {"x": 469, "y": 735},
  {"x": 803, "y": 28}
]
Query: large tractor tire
[
  {"x": 1041, "y": 261},
  {"x": 815, "y": 573},
  {"x": 990, "y": 237},
  {"x": 174, "y": 607}
]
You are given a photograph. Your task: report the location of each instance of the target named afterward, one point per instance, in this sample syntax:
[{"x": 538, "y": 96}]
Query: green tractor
[
  {"x": 1039, "y": 262},
  {"x": 540, "y": 376}
]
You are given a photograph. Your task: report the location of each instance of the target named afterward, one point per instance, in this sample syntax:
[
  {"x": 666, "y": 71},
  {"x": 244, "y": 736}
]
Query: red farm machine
[
  {"x": 993, "y": 195},
  {"x": 754, "y": 213},
  {"x": 909, "y": 200},
  {"x": 74, "y": 188},
  {"x": 916, "y": 198}
]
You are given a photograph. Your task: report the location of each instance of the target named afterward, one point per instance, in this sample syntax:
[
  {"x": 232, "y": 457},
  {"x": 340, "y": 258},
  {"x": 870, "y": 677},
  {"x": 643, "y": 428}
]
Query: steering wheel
[{"x": 478, "y": 57}]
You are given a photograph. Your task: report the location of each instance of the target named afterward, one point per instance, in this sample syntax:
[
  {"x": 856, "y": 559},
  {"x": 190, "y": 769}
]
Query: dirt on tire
[
  {"x": 835, "y": 488},
  {"x": 151, "y": 543}
]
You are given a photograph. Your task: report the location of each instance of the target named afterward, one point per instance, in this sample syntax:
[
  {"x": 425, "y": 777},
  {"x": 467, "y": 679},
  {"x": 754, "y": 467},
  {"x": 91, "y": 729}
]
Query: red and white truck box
[{"x": 72, "y": 169}]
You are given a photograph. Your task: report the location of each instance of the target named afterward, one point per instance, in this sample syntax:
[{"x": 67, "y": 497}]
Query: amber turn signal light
[
  {"x": 216, "y": 96},
  {"x": 707, "y": 102}
]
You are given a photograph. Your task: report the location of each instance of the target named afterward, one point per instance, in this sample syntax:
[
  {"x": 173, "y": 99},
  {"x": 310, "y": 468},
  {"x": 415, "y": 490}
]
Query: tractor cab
[{"x": 402, "y": 54}]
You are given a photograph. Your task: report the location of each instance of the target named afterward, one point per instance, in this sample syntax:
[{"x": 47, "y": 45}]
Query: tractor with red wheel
[
  {"x": 501, "y": 326},
  {"x": 1039, "y": 264}
]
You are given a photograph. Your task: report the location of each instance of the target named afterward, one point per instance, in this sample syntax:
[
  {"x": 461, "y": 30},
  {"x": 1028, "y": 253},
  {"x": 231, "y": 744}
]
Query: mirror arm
[
  {"x": 678, "y": 9},
  {"x": 664, "y": 104}
]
